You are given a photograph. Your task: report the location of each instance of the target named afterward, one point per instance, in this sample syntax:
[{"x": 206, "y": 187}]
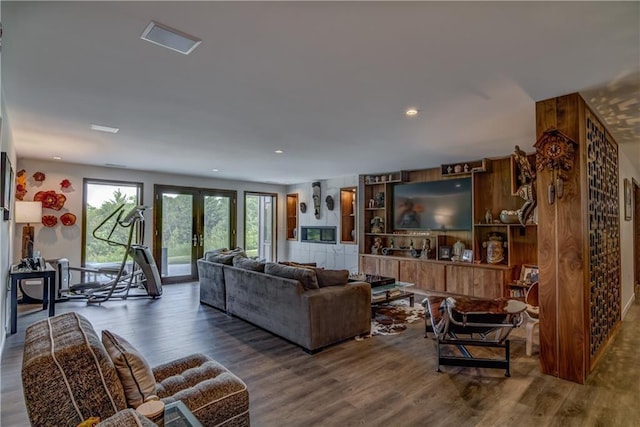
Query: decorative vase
[{"x": 509, "y": 217}]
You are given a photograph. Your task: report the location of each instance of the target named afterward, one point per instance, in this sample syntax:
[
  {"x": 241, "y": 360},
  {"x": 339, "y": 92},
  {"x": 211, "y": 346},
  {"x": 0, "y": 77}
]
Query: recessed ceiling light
[
  {"x": 57, "y": 158},
  {"x": 170, "y": 38},
  {"x": 411, "y": 112},
  {"x": 279, "y": 151},
  {"x": 107, "y": 129},
  {"x": 215, "y": 170}
]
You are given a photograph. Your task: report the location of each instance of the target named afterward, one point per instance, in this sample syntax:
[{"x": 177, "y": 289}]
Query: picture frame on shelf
[
  {"x": 467, "y": 255},
  {"x": 6, "y": 186},
  {"x": 444, "y": 252},
  {"x": 529, "y": 274},
  {"x": 627, "y": 200}
]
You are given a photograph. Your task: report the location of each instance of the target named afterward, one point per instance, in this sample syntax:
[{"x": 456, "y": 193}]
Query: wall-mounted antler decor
[{"x": 555, "y": 151}]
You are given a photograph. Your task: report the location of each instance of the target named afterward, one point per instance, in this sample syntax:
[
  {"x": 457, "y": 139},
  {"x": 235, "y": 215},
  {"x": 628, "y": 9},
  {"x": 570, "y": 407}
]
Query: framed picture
[
  {"x": 467, "y": 255},
  {"x": 627, "y": 200},
  {"x": 6, "y": 186},
  {"x": 529, "y": 274},
  {"x": 444, "y": 252}
]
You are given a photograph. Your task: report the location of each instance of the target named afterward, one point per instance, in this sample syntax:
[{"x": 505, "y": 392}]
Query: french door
[{"x": 188, "y": 222}]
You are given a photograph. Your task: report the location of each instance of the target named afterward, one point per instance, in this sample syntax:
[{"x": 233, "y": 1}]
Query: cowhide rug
[{"x": 392, "y": 318}]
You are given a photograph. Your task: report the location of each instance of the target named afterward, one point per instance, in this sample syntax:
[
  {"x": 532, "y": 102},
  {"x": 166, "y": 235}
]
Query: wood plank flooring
[{"x": 380, "y": 381}]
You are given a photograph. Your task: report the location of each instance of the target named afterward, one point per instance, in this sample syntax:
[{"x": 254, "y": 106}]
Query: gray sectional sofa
[{"x": 310, "y": 307}]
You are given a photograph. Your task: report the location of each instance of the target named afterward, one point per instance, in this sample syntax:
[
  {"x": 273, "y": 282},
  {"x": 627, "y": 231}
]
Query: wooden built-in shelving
[
  {"x": 348, "y": 215},
  {"x": 292, "y": 216},
  {"x": 491, "y": 189}
]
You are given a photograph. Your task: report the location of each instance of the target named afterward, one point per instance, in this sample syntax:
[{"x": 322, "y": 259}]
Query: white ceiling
[{"x": 327, "y": 82}]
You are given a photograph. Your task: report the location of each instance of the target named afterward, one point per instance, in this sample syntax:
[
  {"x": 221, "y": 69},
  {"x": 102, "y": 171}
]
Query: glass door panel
[
  {"x": 190, "y": 221},
  {"x": 178, "y": 241},
  {"x": 217, "y": 222}
]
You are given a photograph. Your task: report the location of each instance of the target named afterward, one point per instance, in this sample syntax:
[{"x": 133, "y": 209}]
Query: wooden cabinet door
[
  {"x": 459, "y": 279},
  {"x": 369, "y": 265},
  {"x": 424, "y": 275},
  {"x": 487, "y": 283},
  {"x": 409, "y": 272},
  {"x": 389, "y": 267}
]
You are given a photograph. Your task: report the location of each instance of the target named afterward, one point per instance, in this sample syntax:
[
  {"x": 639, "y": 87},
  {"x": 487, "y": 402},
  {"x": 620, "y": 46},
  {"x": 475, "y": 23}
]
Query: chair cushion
[
  {"x": 133, "y": 370},
  {"x": 306, "y": 276}
]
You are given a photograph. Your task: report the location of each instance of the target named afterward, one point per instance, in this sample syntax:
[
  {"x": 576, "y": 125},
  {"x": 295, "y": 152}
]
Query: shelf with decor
[
  {"x": 348, "y": 215},
  {"x": 479, "y": 248},
  {"x": 463, "y": 168},
  {"x": 292, "y": 216}
]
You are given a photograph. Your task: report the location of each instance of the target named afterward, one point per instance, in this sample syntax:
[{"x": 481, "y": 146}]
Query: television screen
[{"x": 434, "y": 205}]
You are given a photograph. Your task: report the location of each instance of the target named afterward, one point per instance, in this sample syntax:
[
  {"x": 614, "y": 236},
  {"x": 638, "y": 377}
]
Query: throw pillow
[
  {"x": 221, "y": 258},
  {"x": 223, "y": 255},
  {"x": 298, "y": 264},
  {"x": 306, "y": 276},
  {"x": 133, "y": 370},
  {"x": 248, "y": 263},
  {"x": 331, "y": 277}
]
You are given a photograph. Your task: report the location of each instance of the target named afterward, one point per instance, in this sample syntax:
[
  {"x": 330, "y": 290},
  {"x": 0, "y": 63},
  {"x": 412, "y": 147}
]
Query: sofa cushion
[
  {"x": 331, "y": 277},
  {"x": 223, "y": 256},
  {"x": 306, "y": 276},
  {"x": 133, "y": 370},
  {"x": 248, "y": 263}
]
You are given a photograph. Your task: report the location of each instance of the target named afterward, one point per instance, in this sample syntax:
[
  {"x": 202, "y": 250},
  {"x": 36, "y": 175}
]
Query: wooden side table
[{"x": 48, "y": 276}]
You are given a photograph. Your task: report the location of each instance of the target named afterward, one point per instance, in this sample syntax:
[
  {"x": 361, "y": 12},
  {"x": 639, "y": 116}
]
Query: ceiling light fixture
[
  {"x": 279, "y": 151},
  {"x": 57, "y": 158},
  {"x": 411, "y": 112},
  {"x": 107, "y": 129},
  {"x": 215, "y": 170},
  {"x": 170, "y": 38}
]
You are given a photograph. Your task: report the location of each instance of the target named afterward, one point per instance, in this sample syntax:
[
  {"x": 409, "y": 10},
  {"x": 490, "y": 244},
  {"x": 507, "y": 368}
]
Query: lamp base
[{"x": 28, "y": 233}]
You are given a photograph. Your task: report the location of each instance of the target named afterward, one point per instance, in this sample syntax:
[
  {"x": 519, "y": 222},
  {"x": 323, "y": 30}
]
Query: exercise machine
[{"x": 136, "y": 276}]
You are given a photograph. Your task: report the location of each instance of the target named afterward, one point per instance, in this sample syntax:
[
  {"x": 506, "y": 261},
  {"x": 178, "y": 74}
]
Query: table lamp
[{"x": 28, "y": 213}]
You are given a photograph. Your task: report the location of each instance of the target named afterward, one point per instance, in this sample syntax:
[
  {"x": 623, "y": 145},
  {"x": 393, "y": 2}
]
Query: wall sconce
[{"x": 28, "y": 213}]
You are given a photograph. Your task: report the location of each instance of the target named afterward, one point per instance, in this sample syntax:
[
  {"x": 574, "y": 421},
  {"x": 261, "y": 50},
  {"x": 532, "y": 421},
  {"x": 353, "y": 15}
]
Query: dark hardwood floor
[{"x": 380, "y": 381}]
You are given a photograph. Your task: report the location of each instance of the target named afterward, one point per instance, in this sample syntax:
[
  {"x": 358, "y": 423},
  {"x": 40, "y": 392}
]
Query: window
[
  {"x": 259, "y": 220},
  {"x": 101, "y": 199}
]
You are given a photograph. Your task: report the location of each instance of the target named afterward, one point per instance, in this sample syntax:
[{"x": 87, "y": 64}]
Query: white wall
[
  {"x": 338, "y": 256},
  {"x": 66, "y": 242},
  {"x": 626, "y": 170}
]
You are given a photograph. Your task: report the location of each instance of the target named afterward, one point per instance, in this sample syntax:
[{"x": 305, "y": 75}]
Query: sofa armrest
[
  {"x": 176, "y": 367},
  {"x": 127, "y": 418},
  {"x": 339, "y": 312},
  {"x": 212, "y": 284}
]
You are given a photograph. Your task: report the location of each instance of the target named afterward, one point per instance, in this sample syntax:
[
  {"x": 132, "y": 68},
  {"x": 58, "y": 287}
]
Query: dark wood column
[{"x": 578, "y": 243}]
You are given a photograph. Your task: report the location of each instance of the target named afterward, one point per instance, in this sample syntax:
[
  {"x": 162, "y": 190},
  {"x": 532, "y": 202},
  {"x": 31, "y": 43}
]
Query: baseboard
[{"x": 629, "y": 303}]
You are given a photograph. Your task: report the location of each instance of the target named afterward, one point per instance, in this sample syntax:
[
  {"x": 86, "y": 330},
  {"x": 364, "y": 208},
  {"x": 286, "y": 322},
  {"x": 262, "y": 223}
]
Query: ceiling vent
[{"x": 170, "y": 38}]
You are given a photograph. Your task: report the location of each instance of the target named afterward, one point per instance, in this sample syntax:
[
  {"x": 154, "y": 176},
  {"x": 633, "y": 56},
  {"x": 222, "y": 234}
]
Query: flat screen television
[{"x": 434, "y": 205}]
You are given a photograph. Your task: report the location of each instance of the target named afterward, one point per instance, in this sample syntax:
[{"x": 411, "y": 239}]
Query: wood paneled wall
[{"x": 577, "y": 319}]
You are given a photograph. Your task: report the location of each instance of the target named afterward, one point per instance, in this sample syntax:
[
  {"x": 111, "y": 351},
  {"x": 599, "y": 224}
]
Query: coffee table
[
  {"x": 176, "y": 414},
  {"x": 392, "y": 292}
]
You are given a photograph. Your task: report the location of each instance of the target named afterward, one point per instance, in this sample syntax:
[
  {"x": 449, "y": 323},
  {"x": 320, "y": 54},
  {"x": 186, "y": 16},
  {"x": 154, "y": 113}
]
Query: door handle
[
  {"x": 195, "y": 240},
  {"x": 201, "y": 240}
]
